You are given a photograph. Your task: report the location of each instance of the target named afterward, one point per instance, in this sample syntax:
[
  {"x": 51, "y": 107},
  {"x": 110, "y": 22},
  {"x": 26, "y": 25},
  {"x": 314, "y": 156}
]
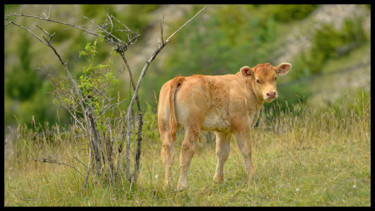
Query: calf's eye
[{"x": 258, "y": 81}]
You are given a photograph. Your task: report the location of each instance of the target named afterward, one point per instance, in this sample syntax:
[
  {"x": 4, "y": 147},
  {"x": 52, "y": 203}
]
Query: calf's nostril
[{"x": 269, "y": 94}]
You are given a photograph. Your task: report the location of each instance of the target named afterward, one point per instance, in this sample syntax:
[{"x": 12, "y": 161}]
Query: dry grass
[{"x": 319, "y": 158}]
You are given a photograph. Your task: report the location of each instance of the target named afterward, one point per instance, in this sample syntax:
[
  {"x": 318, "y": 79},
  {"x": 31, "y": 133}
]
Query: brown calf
[{"x": 225, "y": 104}]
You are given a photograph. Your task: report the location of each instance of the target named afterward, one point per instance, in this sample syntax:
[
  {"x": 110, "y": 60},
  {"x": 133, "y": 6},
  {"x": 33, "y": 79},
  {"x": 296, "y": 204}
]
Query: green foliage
[
  {"x": 325, "y": 42},
  {"x": 95, "y": 83},
  {"x": 9, "y": 8},
  {"x": 97, "y": 11},
  {"x": 137, "y": 16},
  {"x": 329, "y": 43},
  {"x": 27, "y": 92},
  {"x": 60, "y": 35},
  {"x": 231, "y": 18},
  {"x": 223, "y": 50},
  {"x": 38, "y": 108},
  {"x": 150, "y": 121},
  {"x": 285, "y": 13},
  {"x": 23, "y": 81},
  {"x": 292, "y": 12}
]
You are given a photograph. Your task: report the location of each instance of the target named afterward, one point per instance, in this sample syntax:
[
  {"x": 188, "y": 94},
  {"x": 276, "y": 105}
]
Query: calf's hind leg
[
  {"x": 167, "y": 151},
  {"x": 187, "y": 152}
]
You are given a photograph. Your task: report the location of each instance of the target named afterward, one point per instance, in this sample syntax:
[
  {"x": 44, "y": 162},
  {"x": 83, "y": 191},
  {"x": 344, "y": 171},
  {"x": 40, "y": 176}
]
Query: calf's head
[{"x": 263, "y": 78}]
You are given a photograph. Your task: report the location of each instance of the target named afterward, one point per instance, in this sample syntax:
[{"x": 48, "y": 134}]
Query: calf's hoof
[{"x": 218, "y": 179}]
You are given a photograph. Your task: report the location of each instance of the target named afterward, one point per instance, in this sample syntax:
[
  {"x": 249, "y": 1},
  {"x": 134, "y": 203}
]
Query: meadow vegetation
[{"x": 320, "y": 158}]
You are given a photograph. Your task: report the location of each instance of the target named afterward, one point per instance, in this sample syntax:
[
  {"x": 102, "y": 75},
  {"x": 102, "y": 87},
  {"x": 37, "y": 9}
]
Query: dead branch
[
  {"x": 185, "y": 24},
  {"x": 31, "y": 32},
  {"x": 50, "y": 160},
  {"x": 53, "y": 21}
]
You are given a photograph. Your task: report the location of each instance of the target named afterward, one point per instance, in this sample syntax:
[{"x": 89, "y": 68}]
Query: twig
[
  {"x": 49, "y": 160},
  {"x": 31, "y": 32},
  {"x": 110, "y": 20},
  {"x": 181, "y": 189},
  {"x": 49, "y": 35},
  {"x": 127, "y": 28},
  {"x": 133, "y": 86},
  {"x": 107, "y": 32},
  {"x": 49, "y": 10},
  {"x": 80, "y": 162},
  {"x": 161, "y": 31},
  {"x": 88, "y": 169},
  {"x": 185, "y": 24},
  {"x": 55, "y": 21}
]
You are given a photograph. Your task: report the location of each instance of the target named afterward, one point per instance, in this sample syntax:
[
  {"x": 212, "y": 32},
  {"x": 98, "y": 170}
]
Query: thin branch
[
  {"x": 137, "y": 100},
  {"x": 161, "y": 31},
  {"x": 110, "y": 20},
  {"x": 185, "y": 24},
  {"x": 31, "y": 32},
  {"x": 80, "y": 162},
  {"x": 49, "y": 160},
  {"x": 104, "y": 30},
  {"x": 55, "y": 21},
  {"x": 120, "y": 45},
  {"x": 49, "y": 10},
  {"x": 49, "y": 35},
  {"x": 127, "y": 28},
  {"x": 88, "y": 169}
]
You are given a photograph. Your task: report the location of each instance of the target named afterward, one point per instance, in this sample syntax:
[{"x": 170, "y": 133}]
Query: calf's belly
[{"x": 216, "y": 123}]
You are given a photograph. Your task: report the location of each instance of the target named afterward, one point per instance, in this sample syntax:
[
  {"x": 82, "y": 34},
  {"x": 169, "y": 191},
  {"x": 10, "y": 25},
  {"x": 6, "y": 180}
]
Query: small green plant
[
  {"x": 94, "y": 84},
  {"x": 95, "y": 112},
  {"x": 95, "y": 81}
]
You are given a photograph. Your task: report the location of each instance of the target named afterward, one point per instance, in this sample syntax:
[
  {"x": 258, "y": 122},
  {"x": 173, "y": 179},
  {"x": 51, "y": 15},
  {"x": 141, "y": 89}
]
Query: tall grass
[{"x": 319, "y": 158}]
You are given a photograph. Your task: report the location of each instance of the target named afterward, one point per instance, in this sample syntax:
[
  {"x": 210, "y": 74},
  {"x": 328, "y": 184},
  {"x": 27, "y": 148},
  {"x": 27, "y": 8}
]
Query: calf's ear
[
  {"x": 283, "y": 68},
  {"x": 247, "y": 71}
]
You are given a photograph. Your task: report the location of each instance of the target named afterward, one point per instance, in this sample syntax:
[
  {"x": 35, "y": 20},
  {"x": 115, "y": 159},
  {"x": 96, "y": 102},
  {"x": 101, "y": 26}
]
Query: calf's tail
[{"x": 173, "y": 126}]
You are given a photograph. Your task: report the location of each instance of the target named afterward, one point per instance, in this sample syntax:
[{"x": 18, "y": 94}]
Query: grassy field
[{"x": 319, "y": 158}]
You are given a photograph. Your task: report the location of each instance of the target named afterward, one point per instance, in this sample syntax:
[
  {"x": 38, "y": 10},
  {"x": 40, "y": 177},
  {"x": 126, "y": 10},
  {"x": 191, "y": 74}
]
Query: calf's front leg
[
  {"x": 243, "y": 142},
  {"x": 222, "y": 152}
]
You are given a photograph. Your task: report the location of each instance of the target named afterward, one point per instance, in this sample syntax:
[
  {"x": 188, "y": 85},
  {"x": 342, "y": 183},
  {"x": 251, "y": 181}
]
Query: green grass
[{"x": 320, "y": 158}]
